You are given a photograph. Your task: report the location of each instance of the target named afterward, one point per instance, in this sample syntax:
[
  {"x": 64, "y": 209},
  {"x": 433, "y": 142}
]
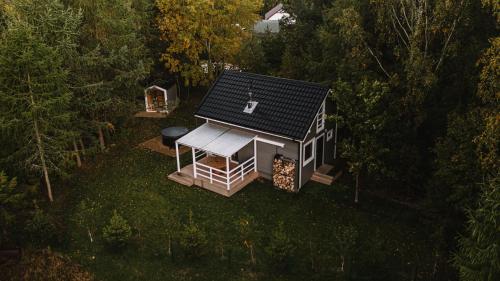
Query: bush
[
  {"x": 280, "y": 248},
  {"x": 46, "y": 265},
  {"x": 193, "y": 240},
  {"x": 118, "y": 232},
  {"x": 40, "y": 229}
]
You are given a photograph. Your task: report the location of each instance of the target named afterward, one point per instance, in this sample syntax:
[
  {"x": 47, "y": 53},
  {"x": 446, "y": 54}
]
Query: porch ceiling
[{"x": 216, "y": 139}]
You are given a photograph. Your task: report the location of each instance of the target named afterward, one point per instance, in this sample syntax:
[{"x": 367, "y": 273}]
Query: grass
[{"x": 134, "y": 182}]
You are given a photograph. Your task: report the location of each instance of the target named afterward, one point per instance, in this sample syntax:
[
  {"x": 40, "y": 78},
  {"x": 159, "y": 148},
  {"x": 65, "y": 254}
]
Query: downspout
[
  {"x": 336, "y": 130},
  {"x": 300, "y": 165}
]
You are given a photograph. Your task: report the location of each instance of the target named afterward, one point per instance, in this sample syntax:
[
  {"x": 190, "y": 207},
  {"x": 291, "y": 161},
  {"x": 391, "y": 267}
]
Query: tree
[
  {"x": 281, "y": 248},
  {"x": 118, "y": 232},
  {"x": 362, "y": 114},
  {"x": 454, "y": 186},
  {"x": 478, "y": 257},
  {"x": 247, "y": 234},
  {"x": 86, "y": 216},
  {"x": 10, "y": 200},
  {"x": 345, "y": 245},
  {"x": 193, "y": 239},
  {"x": 203, "y": 36},
  {"x": 488, "y": 92},
  {"x": 112, "y": 61},
  {"x": 34, "y": 90}
]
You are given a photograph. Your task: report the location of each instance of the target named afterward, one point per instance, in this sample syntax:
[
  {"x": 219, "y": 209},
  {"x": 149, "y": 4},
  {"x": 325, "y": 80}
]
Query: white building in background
[
  {"x": 272, "y": 20},
  {"x": 277, "y": 13}
]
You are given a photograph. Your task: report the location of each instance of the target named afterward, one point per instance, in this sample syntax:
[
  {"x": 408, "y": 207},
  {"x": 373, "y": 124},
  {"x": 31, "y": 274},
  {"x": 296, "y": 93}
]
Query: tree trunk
[
  {"x": 39, "y": 146},
  {"x": 169, "y": 250},
  {"x": 82, "y": 146},
  {"x": 90, "y": 235},
  {"x": 77, "y": 155},
  {"x": 356, "y": 194},
  {"x": 101, "y": 139},
  {"x": 252, "y": 256}
]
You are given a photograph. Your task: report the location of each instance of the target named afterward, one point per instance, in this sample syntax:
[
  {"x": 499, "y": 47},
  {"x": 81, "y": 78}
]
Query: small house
[
  {"x": 259, "y": 126},
  {"x": 161, "y": 100}
]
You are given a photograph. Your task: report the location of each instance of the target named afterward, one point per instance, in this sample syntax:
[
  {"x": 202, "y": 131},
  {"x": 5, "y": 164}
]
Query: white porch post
[
  {"x": 146, "y": 99},
  {"x": 227, "y": 173},
  {"x": 194, "y": 162},
  {"x": 255, "y": 155},
  {"x": 166, "y": 101},
  {"x": 177, "y": 157}
]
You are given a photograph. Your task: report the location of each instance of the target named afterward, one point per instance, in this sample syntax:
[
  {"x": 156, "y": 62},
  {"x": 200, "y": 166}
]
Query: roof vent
[{"x": 251, "y": 104}]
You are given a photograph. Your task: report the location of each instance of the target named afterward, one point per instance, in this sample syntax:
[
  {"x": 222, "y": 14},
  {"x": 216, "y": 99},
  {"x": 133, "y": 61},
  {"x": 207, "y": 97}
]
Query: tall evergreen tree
[
  {"x": 113, "y": 60},
  {"x": 34, "y": 94}
]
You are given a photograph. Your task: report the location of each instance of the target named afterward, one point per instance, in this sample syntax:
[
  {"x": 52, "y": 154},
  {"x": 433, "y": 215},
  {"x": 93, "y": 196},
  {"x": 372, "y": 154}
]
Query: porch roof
[{"x": 216, "y": 139}]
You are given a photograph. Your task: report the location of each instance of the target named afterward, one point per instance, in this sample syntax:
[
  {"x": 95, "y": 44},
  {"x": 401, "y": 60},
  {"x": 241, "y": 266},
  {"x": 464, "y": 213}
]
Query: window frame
[
  {"x": 311, "y": 158},
  {"x": 320, "y": 118},
  {"x": 329, "y": 135}
]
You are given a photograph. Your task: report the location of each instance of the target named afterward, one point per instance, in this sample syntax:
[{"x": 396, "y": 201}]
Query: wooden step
[
  {"x": 180, "y": 178},
  {"x": 322, "y": 178}
]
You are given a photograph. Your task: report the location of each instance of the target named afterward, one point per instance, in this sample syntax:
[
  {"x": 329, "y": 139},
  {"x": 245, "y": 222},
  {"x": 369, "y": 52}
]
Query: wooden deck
[
  {"x": 185, "y": 177},
  {"x": 156, "y": 145},
  {"x": 145, "y": 114}
]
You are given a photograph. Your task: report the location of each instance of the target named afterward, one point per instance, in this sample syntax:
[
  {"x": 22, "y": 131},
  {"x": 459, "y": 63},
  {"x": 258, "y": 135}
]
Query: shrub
[
  {"x": 118, "y": 232},
  {"x": 193, "y": 240},
  {"x": 280, "y": 248},
  {"x": 46, "y": 265},
  {"x": 40, "y": 228}
]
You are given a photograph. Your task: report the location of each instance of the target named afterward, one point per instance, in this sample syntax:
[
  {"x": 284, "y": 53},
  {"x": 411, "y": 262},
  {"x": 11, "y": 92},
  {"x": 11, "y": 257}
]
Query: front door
[{"x": 319, "y": 151}]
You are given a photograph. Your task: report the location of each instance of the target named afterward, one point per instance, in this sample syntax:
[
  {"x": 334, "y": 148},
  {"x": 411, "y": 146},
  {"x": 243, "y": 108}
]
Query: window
[
  {"x": 329, "y": 135},
  {"x": 308, "y": 152},
  {"x": 320, "y": 118}
]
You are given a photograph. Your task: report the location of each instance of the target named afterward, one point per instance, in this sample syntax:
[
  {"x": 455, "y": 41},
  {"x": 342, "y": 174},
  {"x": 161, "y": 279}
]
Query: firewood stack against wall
[{"x": 284, "y": 172}]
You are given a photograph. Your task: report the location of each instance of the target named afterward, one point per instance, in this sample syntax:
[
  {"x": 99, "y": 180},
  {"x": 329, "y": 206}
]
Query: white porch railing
[{"x": 226, "y": 178}]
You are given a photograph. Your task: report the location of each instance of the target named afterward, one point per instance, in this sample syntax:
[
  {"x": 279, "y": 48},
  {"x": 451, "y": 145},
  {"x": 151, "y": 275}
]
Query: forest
[{"x": 417, "y": 88}]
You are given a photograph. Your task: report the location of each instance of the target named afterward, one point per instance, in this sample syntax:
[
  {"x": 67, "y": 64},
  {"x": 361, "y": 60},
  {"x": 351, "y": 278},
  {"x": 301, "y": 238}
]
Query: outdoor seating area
[{"x": 212, "y": 168}]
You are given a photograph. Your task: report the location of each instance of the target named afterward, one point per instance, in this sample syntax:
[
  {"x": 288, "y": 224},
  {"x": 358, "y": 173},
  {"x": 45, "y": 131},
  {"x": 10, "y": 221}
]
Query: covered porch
[{"x": 223, "y": 159}]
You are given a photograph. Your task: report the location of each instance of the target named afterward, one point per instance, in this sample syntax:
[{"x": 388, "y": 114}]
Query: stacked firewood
[{"x": 284, "y": 173}]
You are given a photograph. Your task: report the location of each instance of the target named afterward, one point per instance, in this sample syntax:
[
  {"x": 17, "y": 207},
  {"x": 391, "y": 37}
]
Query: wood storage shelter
[
  {"x": 285, "y": 119},
  {"x": 158, "y": 99}
]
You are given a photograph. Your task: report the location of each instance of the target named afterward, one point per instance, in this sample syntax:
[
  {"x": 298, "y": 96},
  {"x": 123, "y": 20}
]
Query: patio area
[
  {"x": 223, "y": 159},
  {"x": 185, "y": 177}
]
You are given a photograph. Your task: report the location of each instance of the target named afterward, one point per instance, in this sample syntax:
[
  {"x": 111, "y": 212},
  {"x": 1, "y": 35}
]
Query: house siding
[
  {"x": 329, "y": 146},
  {"x": 266, "y": 151},
  {"x": 308, "y": 170},
  {"x": 330, "y": 125}
]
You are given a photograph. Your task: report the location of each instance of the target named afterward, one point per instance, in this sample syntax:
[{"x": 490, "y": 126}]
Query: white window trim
[
  {"x": 320, "y": 119},
  {"x": 307, "y": 161},
  {"x": 329, "y": 135}
]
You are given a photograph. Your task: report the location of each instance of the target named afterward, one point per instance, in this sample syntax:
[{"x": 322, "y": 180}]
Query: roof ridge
[{"x": 315, "y": 84}]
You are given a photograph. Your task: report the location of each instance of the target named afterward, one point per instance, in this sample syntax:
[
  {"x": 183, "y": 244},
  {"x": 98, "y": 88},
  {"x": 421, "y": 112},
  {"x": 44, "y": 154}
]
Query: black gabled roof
[{"x": 285, "y": 107}]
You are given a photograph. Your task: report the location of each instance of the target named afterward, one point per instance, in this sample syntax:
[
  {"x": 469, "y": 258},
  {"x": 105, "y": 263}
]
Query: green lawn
[{"x": 134, "y": 182}]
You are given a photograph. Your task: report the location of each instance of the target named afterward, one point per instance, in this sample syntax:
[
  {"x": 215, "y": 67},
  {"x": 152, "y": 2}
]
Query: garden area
[{"x": 169, "y": 231}]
